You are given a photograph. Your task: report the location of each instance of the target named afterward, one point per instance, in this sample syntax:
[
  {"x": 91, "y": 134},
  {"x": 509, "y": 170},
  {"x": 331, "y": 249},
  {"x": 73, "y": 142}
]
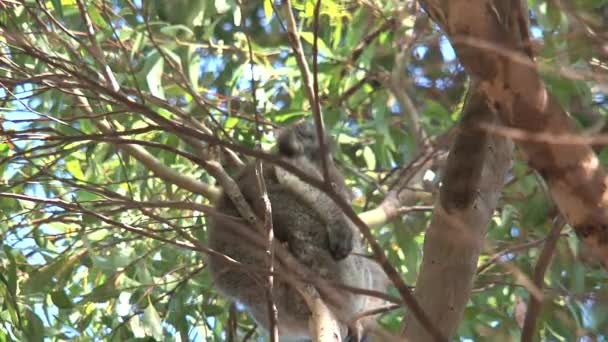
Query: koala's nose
[{"x": 340, "y": 245}]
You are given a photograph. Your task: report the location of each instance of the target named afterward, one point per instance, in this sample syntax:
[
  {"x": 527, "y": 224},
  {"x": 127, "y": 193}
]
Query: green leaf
[
  {"x": 176, "y": 30},
  {"x": 137, "y": 43},
  {"x": 58, "y": 7},
  {"x": 152, "y": 322},
  {"x": 12, "y": 272},
  {"x": 41, "y": 280},
  {"x": 61, "y": 299},
  {"x": 323, "y": 49},
  {"x": 535, "y": 211},
  {"x": 73, "y": 167},
  {"x": 34, "y": 328},
  {"x": 144, "y": 276},
  {"x": 103, "y": 293},
  {"x": 97, "y": 19},
  {"x": 154, "y": 77},
  {"x": 213, "y": 310},
  {"x": 194, "y": 67},
  {"x": 288, "y": 116},
  {"x": 369, "y": 157},
  {"x": 236, "y": 15},
  {"x": 268, "y": 10}
]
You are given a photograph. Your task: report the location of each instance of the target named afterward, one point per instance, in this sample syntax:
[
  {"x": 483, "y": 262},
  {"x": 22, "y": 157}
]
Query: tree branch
[
  {"x": 490, "y": 40},
  {"x": 544, "y": 259},
  {"x": 474, "y": 176}
]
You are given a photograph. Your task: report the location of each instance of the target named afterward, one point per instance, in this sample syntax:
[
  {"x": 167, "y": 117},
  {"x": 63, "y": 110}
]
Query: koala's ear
[{"x": 287, "y": 142}]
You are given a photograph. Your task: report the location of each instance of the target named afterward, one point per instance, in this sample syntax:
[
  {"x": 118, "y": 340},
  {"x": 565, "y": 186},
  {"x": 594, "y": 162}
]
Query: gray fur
[{"x": 315, "y": 230}]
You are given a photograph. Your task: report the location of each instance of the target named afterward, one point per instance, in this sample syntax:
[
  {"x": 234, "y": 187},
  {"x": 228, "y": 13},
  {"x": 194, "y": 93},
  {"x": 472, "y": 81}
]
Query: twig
[
  {"x": 232, "y": 323},
  {"x": 542, "y": 264},
  {"x": 96, "y": 50},
  {"x": 273, "y": 315},
  {"x": 322, "y": 321},
  {"x": 512, "y": 249},
  {"x": 309, "y": 88},
  {"x": 153, "y": 164}
]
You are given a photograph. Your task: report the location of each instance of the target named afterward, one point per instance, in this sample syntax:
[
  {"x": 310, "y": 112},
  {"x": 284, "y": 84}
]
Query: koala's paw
[{"x": 340, "y": 240}]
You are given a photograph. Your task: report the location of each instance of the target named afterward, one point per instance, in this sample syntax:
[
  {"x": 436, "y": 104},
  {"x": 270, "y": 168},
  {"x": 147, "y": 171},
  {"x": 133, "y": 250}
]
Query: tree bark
[
  {"x": 474, "y": 177},
  {"x": 491, "y": 40}
]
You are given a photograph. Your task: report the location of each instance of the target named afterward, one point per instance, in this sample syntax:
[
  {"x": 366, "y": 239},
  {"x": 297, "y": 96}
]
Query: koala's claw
[{"x": 340, "y": 241}]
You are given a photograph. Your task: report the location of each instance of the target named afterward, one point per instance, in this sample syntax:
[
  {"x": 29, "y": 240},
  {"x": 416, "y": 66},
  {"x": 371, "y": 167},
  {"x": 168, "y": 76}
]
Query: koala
[
  {"x": 313, "y": 227},
  {"x": 299, "y": 147}
]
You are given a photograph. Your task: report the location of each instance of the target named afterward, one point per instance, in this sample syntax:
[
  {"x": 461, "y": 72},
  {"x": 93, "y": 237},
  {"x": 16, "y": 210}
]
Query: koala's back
[
  {"x": 247, "y": 284},
  {"x": 232, "y": 237}
]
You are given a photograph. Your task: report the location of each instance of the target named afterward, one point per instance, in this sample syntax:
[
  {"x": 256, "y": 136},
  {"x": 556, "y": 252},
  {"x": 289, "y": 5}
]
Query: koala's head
[{"x": 299, "y": 140}]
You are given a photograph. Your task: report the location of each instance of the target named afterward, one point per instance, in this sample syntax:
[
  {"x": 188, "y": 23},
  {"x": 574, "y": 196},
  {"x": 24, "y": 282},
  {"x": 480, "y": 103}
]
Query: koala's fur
[{"x": 316, "y": 231}]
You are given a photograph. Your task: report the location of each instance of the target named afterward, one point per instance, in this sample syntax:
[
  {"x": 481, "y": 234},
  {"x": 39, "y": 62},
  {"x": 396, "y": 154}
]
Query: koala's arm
[
  {"x": 338, "y": 226},
  {"x": 300, "y": 212},
  {"x": 303, "y": 230}
]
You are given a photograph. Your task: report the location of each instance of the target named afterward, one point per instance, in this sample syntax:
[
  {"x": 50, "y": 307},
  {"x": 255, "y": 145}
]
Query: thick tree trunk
[
  {"x": 491, "y": 40},
  {"x": 474, "y": 177}
]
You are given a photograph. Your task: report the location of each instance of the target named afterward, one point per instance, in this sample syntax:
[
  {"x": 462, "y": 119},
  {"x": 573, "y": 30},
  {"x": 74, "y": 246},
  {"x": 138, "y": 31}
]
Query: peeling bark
[{"x": 491, "y": 42}]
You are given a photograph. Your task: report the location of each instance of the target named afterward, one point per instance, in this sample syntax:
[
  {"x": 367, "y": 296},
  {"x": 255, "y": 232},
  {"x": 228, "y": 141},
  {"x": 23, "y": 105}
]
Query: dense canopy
[{"x": 116, "y": 117}]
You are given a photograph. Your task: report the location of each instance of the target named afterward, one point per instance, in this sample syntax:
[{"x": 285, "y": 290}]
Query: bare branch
[{"x": 544, "y": 259}]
